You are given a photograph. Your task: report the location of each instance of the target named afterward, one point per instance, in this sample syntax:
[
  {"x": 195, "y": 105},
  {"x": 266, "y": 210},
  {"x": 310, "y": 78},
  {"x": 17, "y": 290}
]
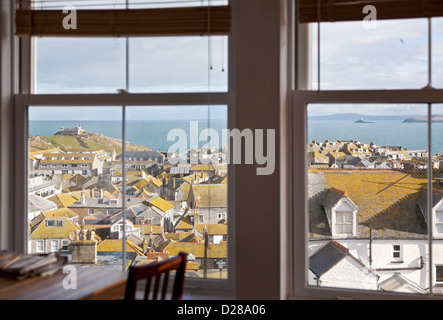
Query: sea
[
  {"x": 150, "y": 133},
  {"x": 382, "y": 133},
  {"x": 153, "y": 134}
]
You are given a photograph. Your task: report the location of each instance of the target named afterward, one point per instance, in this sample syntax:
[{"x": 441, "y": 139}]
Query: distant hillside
[
  {"x": 436, "y": 118},
  {"x": 356, "y": 116},
  {"x": 67, "y": 143}
]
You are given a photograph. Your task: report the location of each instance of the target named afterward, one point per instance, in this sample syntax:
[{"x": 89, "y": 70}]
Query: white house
[
  {"x": 116, "y": 229},
  {"x": 437, "y": 210},
  {"x": 333, "y": 266}
]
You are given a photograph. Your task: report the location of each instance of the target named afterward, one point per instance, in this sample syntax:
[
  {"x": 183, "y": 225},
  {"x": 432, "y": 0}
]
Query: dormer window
[
  {"x": 341, "y": 213},
  {"x": 436, "y": 210}
]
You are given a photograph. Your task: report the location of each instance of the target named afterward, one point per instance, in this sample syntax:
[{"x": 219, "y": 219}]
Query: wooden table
[{"x": 92, "y": 284}]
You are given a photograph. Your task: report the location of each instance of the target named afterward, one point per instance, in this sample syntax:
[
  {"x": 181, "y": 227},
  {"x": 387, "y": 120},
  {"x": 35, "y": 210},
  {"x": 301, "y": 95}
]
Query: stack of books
[{"x": 20, "y": 266}]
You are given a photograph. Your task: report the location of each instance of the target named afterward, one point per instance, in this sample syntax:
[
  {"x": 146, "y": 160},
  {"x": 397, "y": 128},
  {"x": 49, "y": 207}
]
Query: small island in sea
[
  {"x": 362, "y": 121},
  {"x": 436, "y": 118}
]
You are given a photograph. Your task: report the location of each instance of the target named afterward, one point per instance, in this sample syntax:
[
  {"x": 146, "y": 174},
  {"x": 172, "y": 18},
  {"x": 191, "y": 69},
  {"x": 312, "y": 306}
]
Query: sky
[{"x": 394, "y": 55}]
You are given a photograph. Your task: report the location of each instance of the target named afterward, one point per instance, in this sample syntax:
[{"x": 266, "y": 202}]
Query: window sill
[{"x": 207, "y": 295}]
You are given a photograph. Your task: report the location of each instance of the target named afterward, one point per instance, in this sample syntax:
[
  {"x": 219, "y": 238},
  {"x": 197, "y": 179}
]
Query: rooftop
[{"x": 387, "y": 202}]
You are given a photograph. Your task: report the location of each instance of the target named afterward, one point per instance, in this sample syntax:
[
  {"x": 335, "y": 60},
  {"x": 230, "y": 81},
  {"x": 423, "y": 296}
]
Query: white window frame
[
  {"x": 399, "y": 251},
  {"x": 65, "y": 244},
  {"x": 39, "y": 243},
  {"x": 54, "y": 245},
  {"x": 50, "y": 221},
  {"x": 436, "y": 266},
  {"x": 26, "y": 98},
  {"x": 302, "y": 95},
  {"x": 339, "y": 222}
]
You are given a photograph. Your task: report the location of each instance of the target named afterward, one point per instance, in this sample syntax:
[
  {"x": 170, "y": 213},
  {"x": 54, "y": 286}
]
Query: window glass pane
[
  {"x": 182, "y": 183},
  {"x": 371, "y": 159},
  {"x": 71, "y": 164},
  {"x": 178, "y": 64},
  {"x": 437, "y": 52},
  {"x": 392, "y": 56},
  {"x": 156, "y": 64},
  {"x": 80, "y": 65}
]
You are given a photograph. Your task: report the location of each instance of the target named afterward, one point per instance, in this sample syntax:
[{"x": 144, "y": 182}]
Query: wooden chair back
[{"x": 160, "y": 272}]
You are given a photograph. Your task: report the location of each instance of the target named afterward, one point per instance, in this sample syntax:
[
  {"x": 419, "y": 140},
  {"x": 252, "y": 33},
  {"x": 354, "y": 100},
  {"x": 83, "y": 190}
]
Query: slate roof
[
  {"x": 215, "y": 251},
  {"x": 212, "y": 229},
  {"x": 333, "y": 197},
  {"x": 161, "y": 204},
  {"x": 37, "y": 203},
  {"x": 399, "y": 283},
  {"x": 41, "y": 231},
  {"x": 144, "y": 155},
  {"x": 387, "y": 202},
  {"x": 181, "y": 169},
  {"x": 116, "y": 245},
  {"x": 68, "y": 158},
  {"x": 210, "y": 195},
  {"x": 327, "y": 257}
]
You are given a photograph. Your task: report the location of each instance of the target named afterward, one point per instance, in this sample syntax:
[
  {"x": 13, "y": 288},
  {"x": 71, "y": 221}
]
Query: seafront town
[
  {"x": 369, "y": 222},
  {"x": 367, "y": 212},
  {"x": 76, "y": 195}
]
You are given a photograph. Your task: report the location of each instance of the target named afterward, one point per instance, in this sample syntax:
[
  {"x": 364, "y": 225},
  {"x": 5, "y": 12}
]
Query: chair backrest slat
[
  {"x": 165, "y": 285},
  {"x": 156, "y": 270},
  {"x": 147, "y": 288}
]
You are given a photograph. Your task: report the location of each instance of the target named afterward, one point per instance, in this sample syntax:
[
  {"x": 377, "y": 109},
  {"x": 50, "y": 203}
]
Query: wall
[
  {"x": 412, "y": 250},
  {"x": 258, "y": 98},
  {"x": 6, "y": 128},
  {"x": 350, "y": 275}
]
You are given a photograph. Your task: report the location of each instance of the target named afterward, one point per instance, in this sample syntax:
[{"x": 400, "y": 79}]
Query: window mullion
[{"x": 429, "y": 200}]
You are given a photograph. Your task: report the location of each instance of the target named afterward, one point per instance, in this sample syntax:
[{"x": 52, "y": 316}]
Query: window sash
[
  {"x": 22, "y": 101},
  {"x": 300, "y": 101}
]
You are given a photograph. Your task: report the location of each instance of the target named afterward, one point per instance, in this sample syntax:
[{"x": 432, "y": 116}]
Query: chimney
[
  {"x": 145, "y": 245},
  {"x": 151, "y": 238},
  {"x": 83, "y": 199},
  {"x": 143, "y": 227},
  {"x": 84, "y": 246}
]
